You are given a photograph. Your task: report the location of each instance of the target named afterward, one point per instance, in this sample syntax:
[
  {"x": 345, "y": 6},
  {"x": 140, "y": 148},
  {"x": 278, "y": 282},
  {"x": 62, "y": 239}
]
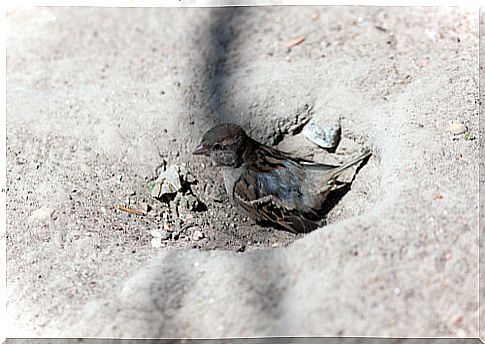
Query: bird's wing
[
  {"x": 284, "y": 171},
  {"x": 269, "y": 208}
]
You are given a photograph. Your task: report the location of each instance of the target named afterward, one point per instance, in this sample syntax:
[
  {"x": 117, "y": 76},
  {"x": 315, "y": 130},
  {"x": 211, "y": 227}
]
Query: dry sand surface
[{"x": 99, "y": 98}]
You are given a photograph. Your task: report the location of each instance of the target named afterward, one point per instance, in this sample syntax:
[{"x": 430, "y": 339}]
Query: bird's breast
[{"x": 231, "y": 176}]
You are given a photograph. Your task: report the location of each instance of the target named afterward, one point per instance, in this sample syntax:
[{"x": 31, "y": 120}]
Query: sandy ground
[{"x": 98, "y": 98}]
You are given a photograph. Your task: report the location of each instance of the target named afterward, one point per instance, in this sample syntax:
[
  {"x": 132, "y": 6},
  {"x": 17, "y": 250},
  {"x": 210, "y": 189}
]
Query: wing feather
[{"x": 268, "y": 208}]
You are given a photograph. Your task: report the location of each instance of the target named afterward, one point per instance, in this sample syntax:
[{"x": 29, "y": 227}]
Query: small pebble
[
  {"x": 456, "y": 128},
  {"x": 43, "y": 214},
  {"x": 156, "y": 242},
  {"x": 457, "y": 319},
  {"x": 159, "y": 234},
  {"x": 197, "y": 235},
  {"x": 325, "y": 136}
]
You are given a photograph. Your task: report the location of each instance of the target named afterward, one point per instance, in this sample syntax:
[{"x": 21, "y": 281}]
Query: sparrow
[{"x": 268, "y": 185}]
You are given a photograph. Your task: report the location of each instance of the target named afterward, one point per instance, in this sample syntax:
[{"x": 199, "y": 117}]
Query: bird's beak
[{"x": 201, "y": 150}]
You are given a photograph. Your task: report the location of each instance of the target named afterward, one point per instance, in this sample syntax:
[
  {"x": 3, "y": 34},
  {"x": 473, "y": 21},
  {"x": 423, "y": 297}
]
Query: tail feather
[{"x": 352, "y": 162}]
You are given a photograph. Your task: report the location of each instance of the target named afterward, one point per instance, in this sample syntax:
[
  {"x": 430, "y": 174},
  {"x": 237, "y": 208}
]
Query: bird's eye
[{"x": 216, "y": 146}]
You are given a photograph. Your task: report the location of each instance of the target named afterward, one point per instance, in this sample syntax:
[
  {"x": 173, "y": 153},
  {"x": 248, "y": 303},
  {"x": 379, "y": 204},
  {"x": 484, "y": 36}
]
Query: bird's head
[{"x": 225, "y": 144}]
